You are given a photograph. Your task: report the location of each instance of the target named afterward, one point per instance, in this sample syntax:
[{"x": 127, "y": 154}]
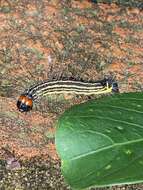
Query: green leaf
[{"x": 101, "y": 142}]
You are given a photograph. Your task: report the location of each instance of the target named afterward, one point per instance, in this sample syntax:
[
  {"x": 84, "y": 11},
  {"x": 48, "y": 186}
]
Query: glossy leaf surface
[{"x": 100, "y": 142}]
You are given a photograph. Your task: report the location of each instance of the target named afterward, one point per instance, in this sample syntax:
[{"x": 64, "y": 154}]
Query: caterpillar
[{"x": 26, "y": 99}]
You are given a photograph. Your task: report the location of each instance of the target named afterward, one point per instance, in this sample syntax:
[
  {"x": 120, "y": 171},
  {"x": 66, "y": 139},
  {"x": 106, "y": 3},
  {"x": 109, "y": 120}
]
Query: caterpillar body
[{"x": 26, "y": 99}]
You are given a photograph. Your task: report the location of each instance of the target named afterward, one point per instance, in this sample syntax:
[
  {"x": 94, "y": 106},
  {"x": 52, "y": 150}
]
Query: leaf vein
[
  {"x": 118, "y": 107},
  {"x": 107, "y": 118},
  {"x": 106, "y": 148}
]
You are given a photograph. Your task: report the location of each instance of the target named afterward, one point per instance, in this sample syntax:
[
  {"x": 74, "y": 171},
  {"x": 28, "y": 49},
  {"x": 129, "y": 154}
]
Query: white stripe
[
  {"x": 52, "y": 83},
  {"x": 73, "y": 91}
]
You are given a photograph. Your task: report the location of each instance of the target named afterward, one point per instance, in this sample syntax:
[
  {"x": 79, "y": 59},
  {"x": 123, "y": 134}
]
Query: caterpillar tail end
[
  {"x": 115, "y": 88},
  {"x": 113, "y": 85}
]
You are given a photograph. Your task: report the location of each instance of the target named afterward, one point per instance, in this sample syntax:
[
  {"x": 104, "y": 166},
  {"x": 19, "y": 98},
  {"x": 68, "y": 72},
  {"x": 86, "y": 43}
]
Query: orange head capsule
[{"x": 25, "y": 102}]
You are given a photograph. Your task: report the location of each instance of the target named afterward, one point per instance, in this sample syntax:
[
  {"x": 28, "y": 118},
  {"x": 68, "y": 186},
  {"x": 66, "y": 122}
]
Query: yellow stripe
[{"x": 91, "y": 92}]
